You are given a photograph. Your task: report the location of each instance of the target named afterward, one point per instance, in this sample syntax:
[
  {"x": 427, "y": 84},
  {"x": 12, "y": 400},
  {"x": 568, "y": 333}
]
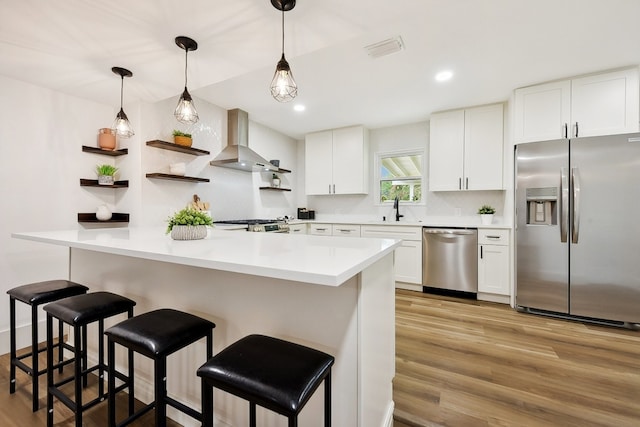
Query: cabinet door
[
  {"x": 408, "y": 262},
  {"x": 605, "y": 104},
  {"x": 483, "y": 148},
  {"x": 347, "y": 230},
  {"x": 298, "y": 228},
  {"x": 349, "y": 161},
  {"x": 446, "y": 151},
  {"x": 318, "y": 158},
  {"x": 542, "y": 111},
  {"x": 493, "y": 269},
  {"x": 320, "y": 229}
]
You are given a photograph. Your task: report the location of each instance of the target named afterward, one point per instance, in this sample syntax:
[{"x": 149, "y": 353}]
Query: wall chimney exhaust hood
[{"x": 237, "y": 154}]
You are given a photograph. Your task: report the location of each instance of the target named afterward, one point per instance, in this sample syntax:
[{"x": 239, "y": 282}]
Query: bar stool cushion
[
  {"x": 276, "y": 374},
  {"x": 159, "y": 333},
  {"x": 88, "y": 308},
  {"x": 43, "y": 292}
]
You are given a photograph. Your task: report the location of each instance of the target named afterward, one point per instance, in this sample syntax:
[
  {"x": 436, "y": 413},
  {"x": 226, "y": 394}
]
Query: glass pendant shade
[
  {"x": 283, "y": 86},
  {"x": 121, "y": 125},
  {"x": 185, "y": 110}
]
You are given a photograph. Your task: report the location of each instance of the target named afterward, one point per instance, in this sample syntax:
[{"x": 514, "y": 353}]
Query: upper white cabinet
[
  {"x": 601, "y": 104},
  {"x": 336, "y": 161},
  {"x": 466, "y": 149}
]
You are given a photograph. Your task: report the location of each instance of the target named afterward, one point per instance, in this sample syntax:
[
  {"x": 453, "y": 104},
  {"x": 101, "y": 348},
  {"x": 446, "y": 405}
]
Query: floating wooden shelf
[
  {"x": 275, "y": 188},
  {"x": 179, "y": 148},
  {"x": 94, "y": 183},
  {"x": 280, "y": 170},
  {"x": 113, "y": 153},
  {"x": 176, "y": 177},
  {"x": 115, "y": 217}
]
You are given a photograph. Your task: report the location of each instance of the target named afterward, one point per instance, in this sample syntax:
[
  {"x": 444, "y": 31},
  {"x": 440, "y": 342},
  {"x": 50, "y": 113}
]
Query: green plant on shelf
[
  {"x": 188, "y": 216},
  {"x": 176, "y": 132},
  {"x": 106, "y": 170},
  {"x": 486, "y": 210}
]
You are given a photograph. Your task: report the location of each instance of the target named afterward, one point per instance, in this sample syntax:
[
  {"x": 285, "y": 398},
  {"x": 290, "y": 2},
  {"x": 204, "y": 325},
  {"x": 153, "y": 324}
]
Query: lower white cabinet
[
  {"x": 408, "y": 256},
  {"x": 493, "y": 264},
  {"x": 298, "y": 228},
  {"x": 349, "y": 230},
  {"x": 320, "y": 229}
]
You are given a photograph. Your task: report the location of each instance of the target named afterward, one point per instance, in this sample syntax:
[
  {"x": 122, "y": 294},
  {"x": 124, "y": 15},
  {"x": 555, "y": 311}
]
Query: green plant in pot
[
  {"x": 182, "y": 138},
  {"x": 188, "y": 224},
  {"x": 486, "y": 214},
  {"x": 105, "y": 174}
]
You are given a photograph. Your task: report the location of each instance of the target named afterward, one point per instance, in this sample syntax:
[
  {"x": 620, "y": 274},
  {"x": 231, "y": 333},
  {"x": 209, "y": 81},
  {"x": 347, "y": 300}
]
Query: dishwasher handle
[{"x": 447, "y": 231}]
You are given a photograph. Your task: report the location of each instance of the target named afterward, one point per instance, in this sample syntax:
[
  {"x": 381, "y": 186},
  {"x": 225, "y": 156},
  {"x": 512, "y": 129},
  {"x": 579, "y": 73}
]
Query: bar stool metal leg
[
  {"x": 327, "y": 400},
  {"x": 34, "y": 358},
  {"x": 12, "y": 326},
  {"x": 49, "y": 371}
]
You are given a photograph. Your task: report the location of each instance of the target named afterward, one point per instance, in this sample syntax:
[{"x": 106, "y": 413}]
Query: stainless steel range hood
[{"x": 237, "y": 154}]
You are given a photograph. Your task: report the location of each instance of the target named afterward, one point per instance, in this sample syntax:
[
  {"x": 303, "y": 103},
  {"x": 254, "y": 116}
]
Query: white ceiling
[{"x": 492, "y": 46}]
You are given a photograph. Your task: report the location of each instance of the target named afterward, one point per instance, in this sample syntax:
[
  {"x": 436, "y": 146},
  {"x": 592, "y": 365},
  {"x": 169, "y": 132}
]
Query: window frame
[{"x": 398, "y": 153}]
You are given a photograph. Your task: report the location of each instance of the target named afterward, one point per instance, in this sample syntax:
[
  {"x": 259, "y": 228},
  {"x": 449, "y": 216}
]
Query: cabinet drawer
[
  {"x": 493, "y": 237},
  {"x": 320, "y": 229},
  {"x": 392, "y": 232},
  {"x": 349, "y": 230},
  {"x": 298, "y": 228}
]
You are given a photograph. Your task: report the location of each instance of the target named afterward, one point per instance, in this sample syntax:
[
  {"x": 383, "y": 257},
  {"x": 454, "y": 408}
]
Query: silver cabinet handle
[
  {"x": 492, "y": 237},
  {"x": 575, "y": 228},
  {"x": 576, "y": 129},
  {"x": 566, "y": 131},
  {"x": 564, "y": 201},
  {"x": 459, "y": 183},
  {"x": 334, "y": 189},
  {"x": 466, "y": 186}
]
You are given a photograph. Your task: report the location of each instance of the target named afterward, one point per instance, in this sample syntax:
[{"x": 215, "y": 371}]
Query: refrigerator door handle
[
  {"x": 564, "y": 208},
  {"x": 575, "y": 227}
]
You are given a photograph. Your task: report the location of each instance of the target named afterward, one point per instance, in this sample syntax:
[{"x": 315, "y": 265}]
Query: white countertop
[{"x": 318, "y": 260}]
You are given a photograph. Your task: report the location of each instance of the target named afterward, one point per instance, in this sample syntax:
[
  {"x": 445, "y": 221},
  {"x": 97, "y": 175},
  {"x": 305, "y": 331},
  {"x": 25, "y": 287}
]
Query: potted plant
[
  {"x": 105, "y": 174},
  {"x": 188, "y": 224},
  {"x": 275, "y": 181},
  {"x": 182, "y": 138},
  {"x": 486, "y": 214}
]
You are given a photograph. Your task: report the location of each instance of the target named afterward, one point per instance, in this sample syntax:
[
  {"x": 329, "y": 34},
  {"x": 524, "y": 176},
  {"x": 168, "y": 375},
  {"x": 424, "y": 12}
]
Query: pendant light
[
  {"x": 185, "y": 110},
  {"x": 121, "y": 125},
  {"x": 283, "y": 86}
]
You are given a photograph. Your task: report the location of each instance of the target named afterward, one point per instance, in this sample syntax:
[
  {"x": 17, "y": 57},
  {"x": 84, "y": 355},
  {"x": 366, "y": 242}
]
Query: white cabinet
[
  {"x": 337, "y": 161},
  {"x": 320, "y": 229},
  {"x": 466, "y": 149},
  {"x": 493, "y": 265},
  {"x": 298, "y": 228},
  {"x": 349, "y": 230},
  {"x": 408, "y": 256},
  {"x": 601, "y": 104}
]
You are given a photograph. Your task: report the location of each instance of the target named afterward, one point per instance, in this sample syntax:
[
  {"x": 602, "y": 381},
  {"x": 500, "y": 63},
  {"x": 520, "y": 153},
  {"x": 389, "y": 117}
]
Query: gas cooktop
[{"x": 248, "y": 221}]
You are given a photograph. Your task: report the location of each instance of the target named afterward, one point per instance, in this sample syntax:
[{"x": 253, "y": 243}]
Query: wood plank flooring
[
  {"x": 465, "y": 363},
  {"x": 471, "y": 363}
]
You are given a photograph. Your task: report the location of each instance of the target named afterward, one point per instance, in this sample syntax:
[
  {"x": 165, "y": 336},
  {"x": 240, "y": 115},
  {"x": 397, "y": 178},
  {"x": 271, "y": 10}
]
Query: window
[{"x": 400, "y": 175}]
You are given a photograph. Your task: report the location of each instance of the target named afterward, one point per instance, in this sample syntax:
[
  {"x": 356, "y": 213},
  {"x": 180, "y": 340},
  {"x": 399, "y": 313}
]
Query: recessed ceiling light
[
  {"x": 299, "y": 107},
  {"x": 443, "y": 76}
]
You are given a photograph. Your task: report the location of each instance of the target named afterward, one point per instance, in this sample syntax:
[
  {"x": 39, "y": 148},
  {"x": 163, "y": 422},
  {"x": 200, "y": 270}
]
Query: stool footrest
[
  {"x": 137, "y": 415},
  {"x": 184, "y": 408}
]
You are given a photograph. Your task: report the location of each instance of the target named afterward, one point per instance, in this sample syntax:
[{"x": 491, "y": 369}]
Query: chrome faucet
[{"x": 396, "y": 206}]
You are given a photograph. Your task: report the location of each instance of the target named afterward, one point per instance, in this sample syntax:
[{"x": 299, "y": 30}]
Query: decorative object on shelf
[
  {"x": 103, "y": 213},
  {"x": 283, "y": 86},
  {"x": 185, "y": 110},
  {"x": 188, "y": 224},
  {"x": 486, "y": 214},
  {"x": 199, "y": 205},
  {"x": 275, "y": 163},
  {"x": 121, "y": 124},
  {"x": 182, "y": 138},
  {"x": 107, "y": 139},
  {"x": 178, "y": 168},
  {"x": 275, "y": 181},
  {"x": 105, "y": 174}
]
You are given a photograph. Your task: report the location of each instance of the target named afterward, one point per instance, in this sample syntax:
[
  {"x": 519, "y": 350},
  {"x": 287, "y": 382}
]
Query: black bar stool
[
  {"x": 35, "y": 294},
  {"x": 78, "y": 312},
  {"x": 156, "y": 335},
  {"x": 275, "y": 374}
]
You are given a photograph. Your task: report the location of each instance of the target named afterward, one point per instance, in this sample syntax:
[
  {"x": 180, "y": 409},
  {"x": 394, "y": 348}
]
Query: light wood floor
[
  {"x": 470, "y": 363},
  {"x": 465, "y": 363}
]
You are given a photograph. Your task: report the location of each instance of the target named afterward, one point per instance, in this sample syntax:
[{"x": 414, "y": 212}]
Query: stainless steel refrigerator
[{"x": 578, "y": 228}]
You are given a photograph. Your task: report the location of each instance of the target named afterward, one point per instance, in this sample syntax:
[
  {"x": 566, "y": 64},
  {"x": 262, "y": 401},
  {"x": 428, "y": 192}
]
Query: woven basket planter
[{"x": 188, "y": 232}]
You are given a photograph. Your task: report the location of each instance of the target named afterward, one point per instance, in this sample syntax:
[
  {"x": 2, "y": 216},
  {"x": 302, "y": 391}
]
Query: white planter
[
  {"x": 275, "y": 182},
  {"x": 486, "y": 219},
  {"x": 103, "y": 213},
  {"x": 105, "y": 179},
  {"x": 188, "y": 232}
]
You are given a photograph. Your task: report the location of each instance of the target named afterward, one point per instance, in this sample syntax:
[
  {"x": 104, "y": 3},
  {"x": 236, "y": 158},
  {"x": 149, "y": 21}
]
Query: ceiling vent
[{"x": 385, "y": 47}]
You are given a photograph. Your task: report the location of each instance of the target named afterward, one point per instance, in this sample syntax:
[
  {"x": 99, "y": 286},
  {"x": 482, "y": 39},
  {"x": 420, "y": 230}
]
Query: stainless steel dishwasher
[{"x": 450, "y": 259}]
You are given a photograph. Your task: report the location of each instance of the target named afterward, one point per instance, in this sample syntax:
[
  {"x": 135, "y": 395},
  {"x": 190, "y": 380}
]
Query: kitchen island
[{"x": 334, "y": 294}]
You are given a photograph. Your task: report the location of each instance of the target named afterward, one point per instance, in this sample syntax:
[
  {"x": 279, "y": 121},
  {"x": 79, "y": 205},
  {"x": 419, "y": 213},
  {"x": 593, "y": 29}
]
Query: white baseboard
[
  {"x": 502, "y": 299},
  {"x": 409, "y": 286},
  {"x": 388, "y": 418},
  {"x": 23, "y": 336}
]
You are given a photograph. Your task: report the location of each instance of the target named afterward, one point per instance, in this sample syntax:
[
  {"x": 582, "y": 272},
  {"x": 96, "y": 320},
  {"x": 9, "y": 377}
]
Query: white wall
[{"x": 404, "y": 137}]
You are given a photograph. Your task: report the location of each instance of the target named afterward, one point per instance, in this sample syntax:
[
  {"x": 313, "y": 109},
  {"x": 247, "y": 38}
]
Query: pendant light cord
[
  {"x": 283, "y": 30},
  {"x": 186, "y": 52},
  {"x": 121, "y": 90}
]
